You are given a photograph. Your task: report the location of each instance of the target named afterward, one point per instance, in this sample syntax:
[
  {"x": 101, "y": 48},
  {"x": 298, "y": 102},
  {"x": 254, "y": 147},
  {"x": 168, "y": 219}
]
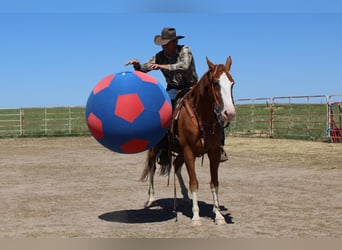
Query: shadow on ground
[{"x": 162, "y": 210}]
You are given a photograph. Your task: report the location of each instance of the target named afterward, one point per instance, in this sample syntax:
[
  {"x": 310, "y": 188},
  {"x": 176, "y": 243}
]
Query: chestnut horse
[{"x": 196, "y": 130}]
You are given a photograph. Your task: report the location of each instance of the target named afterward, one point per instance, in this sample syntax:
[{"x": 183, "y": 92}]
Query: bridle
[
  {"x": 213, "y": 82},
  {"x": 209, "y": 128}
]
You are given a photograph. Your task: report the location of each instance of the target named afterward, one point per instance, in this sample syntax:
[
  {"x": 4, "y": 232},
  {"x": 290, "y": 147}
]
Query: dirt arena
[{"x": 73, "y": 187}]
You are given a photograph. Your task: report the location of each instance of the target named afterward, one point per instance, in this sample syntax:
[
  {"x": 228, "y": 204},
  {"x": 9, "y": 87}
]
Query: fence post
[
  {"x": 69, "y": 120},
  {"x": 271, "y": 117},
  {"x": 45, "y": 121},
  {"x": 328, "y": 118},
  {"x": 21, "y": 113}
]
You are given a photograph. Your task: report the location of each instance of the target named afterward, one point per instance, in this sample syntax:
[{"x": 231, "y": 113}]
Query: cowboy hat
[{"x": 167, "y": 35}]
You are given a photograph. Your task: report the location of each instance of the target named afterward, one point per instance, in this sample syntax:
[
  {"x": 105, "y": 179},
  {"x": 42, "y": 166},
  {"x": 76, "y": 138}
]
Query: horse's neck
[{"x": 202, "y": 104}]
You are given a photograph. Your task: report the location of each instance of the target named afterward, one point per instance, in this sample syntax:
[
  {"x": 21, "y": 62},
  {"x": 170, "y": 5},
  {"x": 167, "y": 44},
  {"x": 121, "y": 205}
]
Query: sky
[{"x": 52, "y": 53}]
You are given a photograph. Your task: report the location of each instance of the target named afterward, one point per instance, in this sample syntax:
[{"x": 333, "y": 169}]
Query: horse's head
[{"x": 222, "y": 85}]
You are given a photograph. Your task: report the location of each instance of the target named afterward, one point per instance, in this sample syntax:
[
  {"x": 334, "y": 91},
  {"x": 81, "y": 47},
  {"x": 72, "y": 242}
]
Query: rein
[{"x": 205, "y": 128}]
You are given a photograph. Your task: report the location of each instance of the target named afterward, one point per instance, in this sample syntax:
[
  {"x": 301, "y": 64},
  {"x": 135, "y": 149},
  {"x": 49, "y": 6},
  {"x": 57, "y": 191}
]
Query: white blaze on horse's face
[{"x": 228, "y": 111}]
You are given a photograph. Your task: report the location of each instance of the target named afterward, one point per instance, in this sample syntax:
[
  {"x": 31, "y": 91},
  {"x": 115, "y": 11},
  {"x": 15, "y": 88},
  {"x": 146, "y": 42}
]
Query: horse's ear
[
  {"x": 228, "y": 63},
  {"x": 210, "y": 64}
]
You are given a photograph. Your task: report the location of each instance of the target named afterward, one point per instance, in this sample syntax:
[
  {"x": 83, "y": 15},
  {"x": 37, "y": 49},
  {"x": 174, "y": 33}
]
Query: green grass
[
  {"x": 57, "y": 121},
  {"x": 295, "y": 121}
]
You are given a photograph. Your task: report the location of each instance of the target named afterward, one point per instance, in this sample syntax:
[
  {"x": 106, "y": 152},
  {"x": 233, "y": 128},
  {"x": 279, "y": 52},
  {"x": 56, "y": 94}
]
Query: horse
[{"x": 195, "y": 130}]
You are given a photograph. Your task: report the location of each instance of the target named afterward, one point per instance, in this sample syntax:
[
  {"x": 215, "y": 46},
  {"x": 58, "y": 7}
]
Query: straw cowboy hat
[{"x": 167, "y": 35}]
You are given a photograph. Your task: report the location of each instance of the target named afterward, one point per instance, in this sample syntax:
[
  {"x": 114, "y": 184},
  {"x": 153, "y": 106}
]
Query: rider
[{"x": 177, "y": 64}]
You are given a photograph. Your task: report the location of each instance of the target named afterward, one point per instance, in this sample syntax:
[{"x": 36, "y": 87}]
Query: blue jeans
[{"x": 172, "y": 94}]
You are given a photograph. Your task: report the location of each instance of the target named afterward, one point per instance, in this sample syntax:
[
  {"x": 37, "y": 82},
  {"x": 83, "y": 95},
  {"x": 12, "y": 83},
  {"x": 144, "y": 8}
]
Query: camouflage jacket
[{"x": 181, "y": 71}]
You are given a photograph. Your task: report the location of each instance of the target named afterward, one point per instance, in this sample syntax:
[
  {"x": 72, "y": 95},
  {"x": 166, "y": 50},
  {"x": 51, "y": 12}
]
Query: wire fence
[{"x": 295, "y": 117}]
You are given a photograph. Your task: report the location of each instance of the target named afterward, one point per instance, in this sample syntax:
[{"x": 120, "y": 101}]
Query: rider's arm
[
  {"x": 145, "y": 67},
  {"x": 184, "y": 60}
]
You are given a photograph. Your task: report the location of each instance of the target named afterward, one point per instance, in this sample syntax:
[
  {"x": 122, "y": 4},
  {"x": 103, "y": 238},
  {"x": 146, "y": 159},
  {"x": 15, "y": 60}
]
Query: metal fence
[
  {"x": 51, "y": 121},
  {"x": 297, "y": 117},
  {"x": 293, "y": 117}
]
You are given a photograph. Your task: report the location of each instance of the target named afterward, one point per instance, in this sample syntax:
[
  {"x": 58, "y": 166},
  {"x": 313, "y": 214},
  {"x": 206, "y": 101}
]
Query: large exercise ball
[{"x": 128, "y": 112}]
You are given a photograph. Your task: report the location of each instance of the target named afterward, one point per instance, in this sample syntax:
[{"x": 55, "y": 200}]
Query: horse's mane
[{"x": 199, "y": 88}]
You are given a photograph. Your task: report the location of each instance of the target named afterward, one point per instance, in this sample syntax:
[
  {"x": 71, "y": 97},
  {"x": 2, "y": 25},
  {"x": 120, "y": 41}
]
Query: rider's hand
[
  {"x": 155, "y": 66},
  {"x": 134, "y": 62}
]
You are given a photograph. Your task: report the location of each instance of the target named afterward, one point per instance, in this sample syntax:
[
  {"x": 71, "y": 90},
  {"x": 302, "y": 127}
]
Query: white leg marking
[
  {"x": 195, "y": 210},
  {"x": 151, "y": 198},
  {"x": 219, "y": 219}
]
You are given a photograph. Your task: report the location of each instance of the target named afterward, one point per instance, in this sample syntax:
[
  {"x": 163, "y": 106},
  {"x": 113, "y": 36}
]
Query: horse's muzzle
[{"x": 228, "y": 115}]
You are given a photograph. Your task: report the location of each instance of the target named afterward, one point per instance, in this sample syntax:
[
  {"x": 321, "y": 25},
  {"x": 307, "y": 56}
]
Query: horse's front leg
[
  {"x": 214, "y": 185},
  {"x": 178, "y": 162},
  {"x": 219, "y": 219},
  {"x": 189, "y": 159},
  {"x": 184, "y": 190}
]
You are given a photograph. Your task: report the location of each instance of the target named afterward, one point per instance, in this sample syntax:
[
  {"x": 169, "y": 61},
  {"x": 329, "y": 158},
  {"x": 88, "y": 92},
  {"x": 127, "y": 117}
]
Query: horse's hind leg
[
  {"x": 149, "y": 172},
  {"x": 151, "y": 197}
]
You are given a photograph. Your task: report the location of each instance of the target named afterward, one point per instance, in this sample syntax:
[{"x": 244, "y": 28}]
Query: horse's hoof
[
  {"x": 220, "y": 222},
  {"x": 148, "y": 204}
]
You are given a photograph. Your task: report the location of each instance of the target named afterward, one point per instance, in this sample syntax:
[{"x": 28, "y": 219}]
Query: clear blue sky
[{"x": 52, "y": 53}]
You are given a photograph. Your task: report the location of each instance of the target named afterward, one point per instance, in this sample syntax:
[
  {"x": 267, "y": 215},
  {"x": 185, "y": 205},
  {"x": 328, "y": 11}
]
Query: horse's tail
[
  {"x": 165, "y": 161},
  {"x": 150, "y": 165},
  {"x": 165, "y": 169}
]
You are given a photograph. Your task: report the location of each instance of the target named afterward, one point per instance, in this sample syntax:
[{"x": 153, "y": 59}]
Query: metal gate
[{"x": 293, "y": 117}]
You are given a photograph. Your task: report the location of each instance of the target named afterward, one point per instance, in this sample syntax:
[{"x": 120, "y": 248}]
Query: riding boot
[{"x": 224, "y": 156}]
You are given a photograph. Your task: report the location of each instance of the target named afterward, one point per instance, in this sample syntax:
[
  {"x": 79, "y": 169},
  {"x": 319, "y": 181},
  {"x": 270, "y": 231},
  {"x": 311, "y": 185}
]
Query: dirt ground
[{"x": 73, "y": 187}]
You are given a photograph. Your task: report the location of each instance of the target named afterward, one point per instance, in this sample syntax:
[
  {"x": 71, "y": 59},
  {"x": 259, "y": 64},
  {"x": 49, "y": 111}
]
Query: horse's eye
[{"x": 216, "y": 84}]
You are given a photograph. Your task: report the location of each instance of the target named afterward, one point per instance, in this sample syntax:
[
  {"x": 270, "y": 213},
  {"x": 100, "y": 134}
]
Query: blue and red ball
[{"x": 128, "y": 112}]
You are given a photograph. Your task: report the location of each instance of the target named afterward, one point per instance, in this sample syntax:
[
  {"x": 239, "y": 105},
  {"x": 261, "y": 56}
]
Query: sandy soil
[{"x": 73, "y": 187}]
